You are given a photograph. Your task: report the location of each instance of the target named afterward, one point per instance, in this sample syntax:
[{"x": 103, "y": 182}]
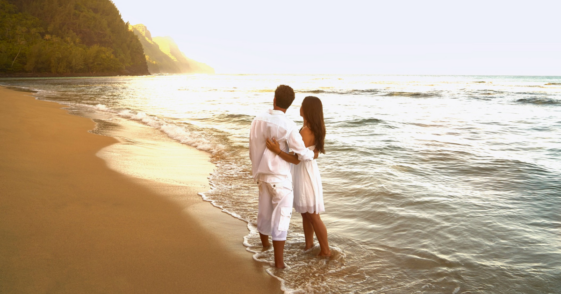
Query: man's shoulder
[
  {"x": 262, "y": 116},
  {"x": 290, "y": 124},
  {"x": 279, "y": 120}
]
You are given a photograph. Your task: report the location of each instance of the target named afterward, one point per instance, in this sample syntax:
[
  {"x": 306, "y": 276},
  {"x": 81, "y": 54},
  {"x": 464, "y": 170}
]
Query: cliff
[
  {"x": 157, "y": 61},
  {"x": 71, "y": 37},
  {"x": 164, "y": 56}
]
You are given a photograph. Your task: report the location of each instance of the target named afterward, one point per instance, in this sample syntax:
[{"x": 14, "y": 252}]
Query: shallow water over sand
[{"x": 436, "y": 184}]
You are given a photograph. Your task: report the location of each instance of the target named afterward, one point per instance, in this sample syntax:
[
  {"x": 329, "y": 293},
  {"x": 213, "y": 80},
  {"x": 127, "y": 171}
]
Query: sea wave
[
  {"x": 488, "y": 92},
  {"x": 234, "y": 118},
  {"x": 539, "y": 101},
  {"x": 425, "y": 125},
  {"x": 341, "y": 92},
  {"x": 335, "y": 91},
  {"x": 413, "y": 94},
  {"x": 179, "y": 132},
  {"x": 207, "y": 90},
  {"x": 530, "y": 93},
  {"x": 360, "y": 122},
  {"x": 20, "y": 89}
]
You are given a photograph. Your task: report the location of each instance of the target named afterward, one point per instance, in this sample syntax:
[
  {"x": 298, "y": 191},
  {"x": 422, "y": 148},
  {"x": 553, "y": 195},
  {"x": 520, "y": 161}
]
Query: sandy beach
[{"x": 70, "y": 224}]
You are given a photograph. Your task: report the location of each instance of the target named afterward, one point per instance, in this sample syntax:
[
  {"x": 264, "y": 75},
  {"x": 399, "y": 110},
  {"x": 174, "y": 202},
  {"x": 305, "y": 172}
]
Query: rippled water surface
[{"x": 433, "y": 184}]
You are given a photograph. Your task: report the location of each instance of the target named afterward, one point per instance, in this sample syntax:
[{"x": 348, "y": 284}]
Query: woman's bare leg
[
  {"x": 321, "y": 233},
  {"x": 308, "y": 231}
]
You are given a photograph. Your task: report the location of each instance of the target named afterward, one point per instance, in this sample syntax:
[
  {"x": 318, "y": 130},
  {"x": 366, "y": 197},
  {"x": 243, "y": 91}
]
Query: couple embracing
[{"x": 284, "y": 168}]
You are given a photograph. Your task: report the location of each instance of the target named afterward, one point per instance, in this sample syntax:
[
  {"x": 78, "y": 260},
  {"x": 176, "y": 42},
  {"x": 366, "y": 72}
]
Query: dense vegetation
[{"x": 67, "y": 36}]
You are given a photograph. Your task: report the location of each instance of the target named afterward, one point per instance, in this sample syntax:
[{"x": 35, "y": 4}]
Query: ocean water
[{"x": 432, "y": 184}]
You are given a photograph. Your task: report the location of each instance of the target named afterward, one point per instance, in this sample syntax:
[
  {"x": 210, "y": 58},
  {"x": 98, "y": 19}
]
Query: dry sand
[{"x": 69, "y": 224}]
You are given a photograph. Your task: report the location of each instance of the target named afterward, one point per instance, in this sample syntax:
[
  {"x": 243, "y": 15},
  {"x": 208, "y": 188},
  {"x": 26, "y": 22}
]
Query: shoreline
[
  {"x": 68, "y": 75},
  {"x": 69, "y": 223}
]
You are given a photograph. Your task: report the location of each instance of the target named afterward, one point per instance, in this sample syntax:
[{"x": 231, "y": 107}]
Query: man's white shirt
[{"x": 267, "y": 166}]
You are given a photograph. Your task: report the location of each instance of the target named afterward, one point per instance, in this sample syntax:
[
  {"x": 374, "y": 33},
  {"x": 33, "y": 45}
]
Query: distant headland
[{"x": 163, "y": 54}]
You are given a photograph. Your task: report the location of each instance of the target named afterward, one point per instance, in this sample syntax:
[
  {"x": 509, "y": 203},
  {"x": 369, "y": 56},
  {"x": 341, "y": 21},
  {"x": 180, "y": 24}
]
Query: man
[{"x": 272, "y": 173}]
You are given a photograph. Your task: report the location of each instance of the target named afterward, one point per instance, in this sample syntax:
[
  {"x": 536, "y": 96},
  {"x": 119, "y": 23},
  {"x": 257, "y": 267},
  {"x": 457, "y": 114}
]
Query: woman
[{"x": 308, "y": 191}]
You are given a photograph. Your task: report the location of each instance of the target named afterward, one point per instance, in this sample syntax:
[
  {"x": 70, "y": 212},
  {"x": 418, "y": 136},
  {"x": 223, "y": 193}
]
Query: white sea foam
[
  {"x": 101, "y": 107},
  {"x": 177, "y": 132}
]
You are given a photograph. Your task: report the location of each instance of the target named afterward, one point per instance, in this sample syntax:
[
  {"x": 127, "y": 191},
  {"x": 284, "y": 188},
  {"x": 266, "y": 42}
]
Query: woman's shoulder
[
  {"x": 307, "y": 136},
  {"x": 305, "y": 131}
]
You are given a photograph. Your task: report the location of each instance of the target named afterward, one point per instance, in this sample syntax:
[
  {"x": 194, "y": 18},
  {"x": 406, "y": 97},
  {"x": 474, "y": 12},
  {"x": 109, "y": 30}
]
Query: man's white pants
[{"x": 275, "y": 209}]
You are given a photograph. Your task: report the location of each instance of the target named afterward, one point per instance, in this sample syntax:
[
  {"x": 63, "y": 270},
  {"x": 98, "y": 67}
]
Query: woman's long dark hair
[{"x": 312, "y": 110}]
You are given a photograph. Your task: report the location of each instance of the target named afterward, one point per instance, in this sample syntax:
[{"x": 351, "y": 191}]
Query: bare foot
[
  {"x": 280, "y": 267},
  {"x": 322, "y": 254},
  {"x": 308, "y": 247},
  {"x": 266, "y": 247}
]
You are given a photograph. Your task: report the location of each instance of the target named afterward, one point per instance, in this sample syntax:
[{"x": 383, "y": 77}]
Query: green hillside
[{"x": 67, "y": 37}]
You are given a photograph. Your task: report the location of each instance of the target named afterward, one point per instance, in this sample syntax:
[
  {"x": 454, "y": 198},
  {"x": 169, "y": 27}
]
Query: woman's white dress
[{"x": 308, "y": 191}]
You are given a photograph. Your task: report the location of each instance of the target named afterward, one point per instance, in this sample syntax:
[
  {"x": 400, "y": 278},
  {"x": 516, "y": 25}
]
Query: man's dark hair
[{"x": 284, "y": 95}]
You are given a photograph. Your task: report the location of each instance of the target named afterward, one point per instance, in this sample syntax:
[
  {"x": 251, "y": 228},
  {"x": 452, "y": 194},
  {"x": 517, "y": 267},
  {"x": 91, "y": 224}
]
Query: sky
[{"x": 360, "y": 37}]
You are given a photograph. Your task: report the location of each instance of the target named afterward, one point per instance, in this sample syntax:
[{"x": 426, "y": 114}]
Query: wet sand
[{"x": 69, "y": 224}]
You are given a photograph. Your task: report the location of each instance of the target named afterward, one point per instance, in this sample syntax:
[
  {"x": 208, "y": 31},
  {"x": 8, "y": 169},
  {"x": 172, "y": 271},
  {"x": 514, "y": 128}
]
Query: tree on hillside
[{"x": 70, "y": 36}]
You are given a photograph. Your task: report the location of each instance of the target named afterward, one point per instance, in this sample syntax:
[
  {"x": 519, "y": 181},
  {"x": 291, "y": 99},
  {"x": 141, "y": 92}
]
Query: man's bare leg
[
  {"x": 278, "y": 246},
  {"x": 265, "y": 241}
]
